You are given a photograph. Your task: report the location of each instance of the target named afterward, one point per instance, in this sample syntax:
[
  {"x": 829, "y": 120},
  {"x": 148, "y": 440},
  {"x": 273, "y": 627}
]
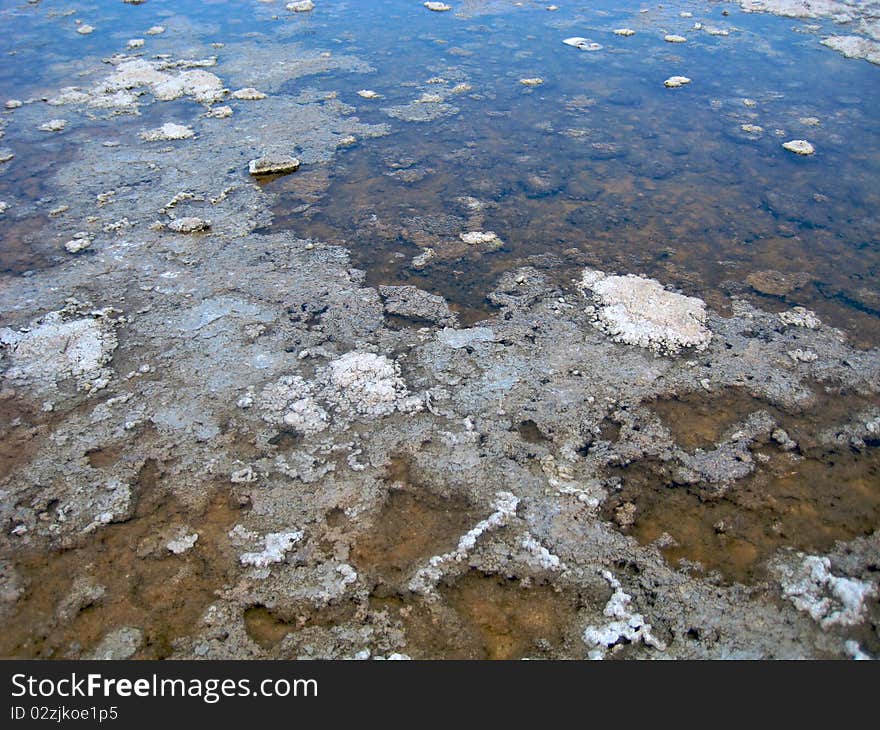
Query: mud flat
[{"x": 222, "y": 439}]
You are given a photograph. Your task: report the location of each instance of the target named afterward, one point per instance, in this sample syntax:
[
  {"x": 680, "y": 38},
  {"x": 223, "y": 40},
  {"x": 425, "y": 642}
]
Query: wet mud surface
[{"x": 529, "y": 355}]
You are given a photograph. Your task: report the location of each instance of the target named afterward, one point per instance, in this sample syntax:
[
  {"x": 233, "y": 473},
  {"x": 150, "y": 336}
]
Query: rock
[
  {"x": 79, "y": 242},
  {"x": 775, "y": 283},
  {"x": 189, "y": 224},
  {"x": 135, "y": 43},
  {"x": 800, "y": 317},
  {"x": 583, "y": 44},
  {"x": 273, "y": 165},
  {"x": 751, "y": 128},
  {"x": 368, "y": 94},
  {"x": 248, "y": 94},
  {"x": 799, "y": 147},
  {"x": 438, "y": 7},
  {"x": 672, "y": 38},
  {"x": 673, "y": 82},
  {"x": 489, "y": 239},
  {"x": 301, "y": 6},
  {"x": 625, "y": 32},
  {"x": 53, "y": 125},
  {"x": 85, "y": 29},
  {"x": 220, "y": 112},
  {"x": 122, "y": 643},
  {"x": 639, "y": 311},
  {"x": 168, "y": 131},
  {"x": 415, "y": 303},
  {"x": 156, "y": 30},
  {"x": 13, "y": 104},
  {"x": 83, "y": 593},
  {"x": 532, "y": 82},
  {"x": 6, "y": 154}
]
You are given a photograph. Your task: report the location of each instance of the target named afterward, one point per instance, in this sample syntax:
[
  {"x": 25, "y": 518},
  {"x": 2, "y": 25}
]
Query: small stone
[
  {"x": 248, "y": 94},
  {"x": 673, "y": 82},
  {"x": 190, "y": 224},
  {"x": 482, "y": 238},
  {"x": 799, "y": 147},
  {"x": 79, "y": 242},
  {"x": 273, "y": 165}
]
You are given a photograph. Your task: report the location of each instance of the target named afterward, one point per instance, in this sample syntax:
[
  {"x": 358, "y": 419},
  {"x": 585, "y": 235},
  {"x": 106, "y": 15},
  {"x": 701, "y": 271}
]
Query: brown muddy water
[{"x": 600, "y": 165}]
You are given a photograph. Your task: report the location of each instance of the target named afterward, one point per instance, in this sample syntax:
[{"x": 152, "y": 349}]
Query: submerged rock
[
  {"x": 415, "y": 303},
  {"x": 775, "y": 283},
  {"x": 53, "y": 125},
  {"x": 273, "y": 165},
  {"x": 489, "y": 239},
  {"x": 799, "y": 147},
  {"x": 641, "y": 312},
  {"x": 168, "y": 131}
]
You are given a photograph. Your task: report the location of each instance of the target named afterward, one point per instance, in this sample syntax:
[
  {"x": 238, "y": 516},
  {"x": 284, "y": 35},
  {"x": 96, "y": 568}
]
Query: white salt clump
[
  {"x": 625, "y": 32},
  {"x": 828, "y": 599},
  {"x": 583, "y": 44},
  {"x": 366, "y": 384},
  {"x": 751, "y": 128},
  {"x": 536, "y": 81},
  {"x": 249, "y": 94},
  {"x": 639, "y": 311},
  {"x": 85, "y": 29},
  {"x": 427, "y": 577},
  {"x": 276, "y": 546},
  {"x": 853, "y": 46},
  {"x": 672, "y": 38},
  {"x": 854, "y": 651},
  {"x": 220, "y": 112},
  {"x": 799, "y": 147},
  {"x": 482, "y": 238},
  {"x": 168, "y": 131},
  {"x": 624, "y": 625},
  {"x": 13, "y": 104},
  {"x": 301, "y": 6},
  {"x": 53, "y": 125},
  {"x": 135, "y": 43},
  {"x": 368, "y": 94},
  {"x": 4, "y": 206},
  {"x": 438, "y": 7},
  {"x": 189, "y": 224},
  {"x": 180, "y": 545},
  {"x": 800, "y": 317},
  {"x": 55, "y": 348},
  {"x": 673, "y": 82},
  {"x": 290, "y": 401},
  {"x": 542, "y": 556},
  {"x": 156, "y": 30}
]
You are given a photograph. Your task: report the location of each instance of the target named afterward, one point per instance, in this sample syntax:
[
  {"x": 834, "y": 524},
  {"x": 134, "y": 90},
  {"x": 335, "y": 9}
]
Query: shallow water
[{"x": 600, "y": 165}]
